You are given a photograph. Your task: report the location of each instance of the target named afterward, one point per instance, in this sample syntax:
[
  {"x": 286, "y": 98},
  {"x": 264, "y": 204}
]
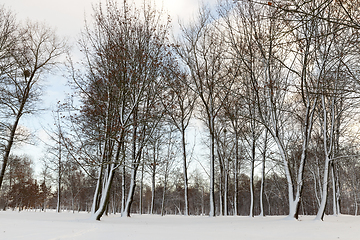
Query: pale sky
[{"x": 67, "y": 17}]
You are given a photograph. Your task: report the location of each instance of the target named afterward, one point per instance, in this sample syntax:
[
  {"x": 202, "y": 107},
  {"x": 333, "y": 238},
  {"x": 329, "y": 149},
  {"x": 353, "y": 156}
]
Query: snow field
[{"x": 67, "y": 225}]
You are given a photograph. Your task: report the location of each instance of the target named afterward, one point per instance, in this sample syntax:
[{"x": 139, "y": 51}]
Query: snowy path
[{"x": 53, "y": 226}]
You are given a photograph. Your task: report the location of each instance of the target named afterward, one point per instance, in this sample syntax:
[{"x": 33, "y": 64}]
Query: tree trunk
[
  {"x": 105, "y": 195},
  {"x": 212, "y": 167},
  {"x": 221, "y": 204},
  {"x": 123, "y": 189},
  {"x": 262, "y": 186},
  {"x": 236, "y": 212},
  {"x": 321, "y": 211},
  {"x": 226, "y": 179},
  {"x": 164, "y": 197},
  {"x": 141, "y": 189},
  {"x": 252, "y": 169},
  {"x": 10, "y": 143},
  {"x": 96, "y": 198},
  {"x": 58, "y": 203},
  {"x": 153, "y": 175},
  {"x": 186, "y": 199},
  {"x": 59, "y": 180},
  {"x": 131, "y": 193},
  {"x": 134, "y": 167},
  {"x": 328, "y": 151},
  {"x": 335, "y": 209}
]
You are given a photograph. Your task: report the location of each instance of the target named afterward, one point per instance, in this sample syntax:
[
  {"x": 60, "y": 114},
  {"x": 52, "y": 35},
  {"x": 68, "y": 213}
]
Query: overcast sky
[{"x": 67, "y": 17}]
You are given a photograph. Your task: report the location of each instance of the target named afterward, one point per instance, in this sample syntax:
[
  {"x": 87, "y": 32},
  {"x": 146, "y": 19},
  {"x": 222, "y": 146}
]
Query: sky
[
  {"x": 68, "y": 15},
  {"x": 67, "y": 18}
]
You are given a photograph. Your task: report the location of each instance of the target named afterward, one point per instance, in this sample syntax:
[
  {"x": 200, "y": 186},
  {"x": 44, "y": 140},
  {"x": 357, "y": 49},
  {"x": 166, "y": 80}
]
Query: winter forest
[{"x": 273, "y": 85}]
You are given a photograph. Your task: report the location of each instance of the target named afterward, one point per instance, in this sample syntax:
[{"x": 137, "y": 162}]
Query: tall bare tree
[
  {"x": 36, "y": 52},
  {"x": 279, "y": 71},
  {"x": 202, "y": 51},
  {"x": 179, "y": 103},
  {"x": 124, "y": 50}
]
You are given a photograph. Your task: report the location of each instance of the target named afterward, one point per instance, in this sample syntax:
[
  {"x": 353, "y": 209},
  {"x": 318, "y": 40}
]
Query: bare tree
[
  {"x": 8, "y": 28},
  {"x": 179, "y": 103},
  {"x": 258, "y": 35},
  {"x": 36, "y": 53},
  {"x": 55, "y": 154},
  {"x": 124, "y": 50},
  {"x": 336, "y": 53},
  {"x": 203, "y": 53}
]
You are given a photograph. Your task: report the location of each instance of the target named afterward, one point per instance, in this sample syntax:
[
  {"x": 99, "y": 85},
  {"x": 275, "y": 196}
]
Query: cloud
[{"x": 67, "y": 16}]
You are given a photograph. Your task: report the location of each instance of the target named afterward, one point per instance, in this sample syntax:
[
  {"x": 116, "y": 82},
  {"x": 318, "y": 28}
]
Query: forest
[{"x": 273, "y": 85}]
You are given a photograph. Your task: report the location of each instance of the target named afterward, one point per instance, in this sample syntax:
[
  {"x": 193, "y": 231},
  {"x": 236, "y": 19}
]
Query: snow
[{"x": 66, "y": 225}]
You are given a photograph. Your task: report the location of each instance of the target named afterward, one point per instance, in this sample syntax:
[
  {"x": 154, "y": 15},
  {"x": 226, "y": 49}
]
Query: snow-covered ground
[{"x": 50, "y": 225}]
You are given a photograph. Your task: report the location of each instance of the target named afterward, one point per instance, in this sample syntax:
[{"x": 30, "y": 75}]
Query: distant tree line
[{"x": 274, "y": 83}]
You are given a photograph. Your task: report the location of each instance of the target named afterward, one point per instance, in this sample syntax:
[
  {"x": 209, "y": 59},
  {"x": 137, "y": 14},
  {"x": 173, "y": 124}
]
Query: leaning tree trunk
[
  {"x": 130, "y": 197},
  {"x": 96, "y": 198},
  {"x": 105, "y": 194},
  {"x": 10, "y": 142},
  {"x": 134, "y": 167}
]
